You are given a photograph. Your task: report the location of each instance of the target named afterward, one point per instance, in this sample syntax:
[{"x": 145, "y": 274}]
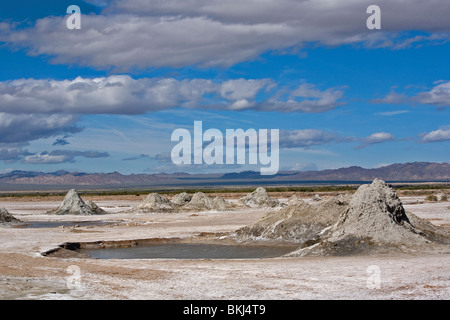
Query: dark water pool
[{"x": 191, "y": 251}]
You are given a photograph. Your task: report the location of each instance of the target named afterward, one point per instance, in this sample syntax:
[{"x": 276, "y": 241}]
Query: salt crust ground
[{"x": 25, "y": 274}]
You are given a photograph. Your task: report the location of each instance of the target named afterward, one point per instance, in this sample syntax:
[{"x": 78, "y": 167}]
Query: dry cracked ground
[{"x": 26, "y": 274}]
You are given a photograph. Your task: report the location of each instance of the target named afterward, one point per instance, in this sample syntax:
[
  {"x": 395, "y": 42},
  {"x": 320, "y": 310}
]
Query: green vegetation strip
[{"x": 139, "y": 192}]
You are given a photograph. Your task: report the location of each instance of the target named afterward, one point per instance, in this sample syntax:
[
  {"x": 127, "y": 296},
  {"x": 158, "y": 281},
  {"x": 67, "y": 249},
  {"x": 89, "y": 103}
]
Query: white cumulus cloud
[
  {"x": 442, "y": 134},
  {"x": 122, "y": 94},
  {"x": 130, "y": 34},
  {"x": 377, "y": 137}
]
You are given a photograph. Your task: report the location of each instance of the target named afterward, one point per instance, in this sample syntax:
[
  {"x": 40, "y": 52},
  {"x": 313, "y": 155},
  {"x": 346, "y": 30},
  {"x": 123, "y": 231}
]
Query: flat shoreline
[
  {"x": 217, "y": 186},
  {"x": 139, "y": 195}
]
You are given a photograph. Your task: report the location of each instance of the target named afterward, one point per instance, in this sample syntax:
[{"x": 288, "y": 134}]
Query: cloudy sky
[{"x": 108, "y": 96}]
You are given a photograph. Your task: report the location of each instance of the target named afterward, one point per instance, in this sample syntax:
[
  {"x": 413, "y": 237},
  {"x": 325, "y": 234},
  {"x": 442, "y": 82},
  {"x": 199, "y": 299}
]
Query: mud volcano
[
  {"x": 200, "y": 202},
  {"x": 181, "y": 199},
  {"x": 182, "y": 202},
  {"x": 73, "y": 204},
  {"x": 259, "y": 199},
  {"x": 156, "y": 203},
  {"x": 372, "y": 220}
]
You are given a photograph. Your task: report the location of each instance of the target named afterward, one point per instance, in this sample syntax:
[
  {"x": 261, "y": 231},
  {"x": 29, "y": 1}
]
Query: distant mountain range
[{"x": 406, "y": 172}]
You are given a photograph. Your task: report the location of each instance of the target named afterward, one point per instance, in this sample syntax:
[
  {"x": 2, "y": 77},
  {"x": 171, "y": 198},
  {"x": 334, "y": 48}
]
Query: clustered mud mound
[
  {"x": 73, "y": 204},
  {"x": 371, "y": 220},
  {"x": 183, "y": 202},
  {"x": 200, "y": 201},
  {"x": 155, "y": 203},
  {"x": 181, "y": 199}
]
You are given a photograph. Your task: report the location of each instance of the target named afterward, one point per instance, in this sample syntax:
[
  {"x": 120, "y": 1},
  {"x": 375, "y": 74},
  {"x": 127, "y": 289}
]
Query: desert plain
[{"x": 26, "y": 272}]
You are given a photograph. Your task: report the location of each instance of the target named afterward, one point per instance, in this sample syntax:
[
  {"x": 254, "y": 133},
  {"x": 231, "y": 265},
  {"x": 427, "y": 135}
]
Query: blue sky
[{"x": 107, "y": 97}]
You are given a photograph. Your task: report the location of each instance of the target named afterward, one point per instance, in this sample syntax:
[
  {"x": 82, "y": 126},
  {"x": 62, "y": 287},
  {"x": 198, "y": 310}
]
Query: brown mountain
[
  {"x": 77, "y": 178},
  {"x": 416, "y": 171}
]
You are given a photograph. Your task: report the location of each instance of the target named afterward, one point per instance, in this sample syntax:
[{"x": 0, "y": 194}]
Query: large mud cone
[
  {"x": 6, "y": 217},
  {"x": 259, "y": 199},
  {"x": 299, "y": 221},
  {"x": 155, "y": 203},
  {"x": 377, "y": 212},
  {"x": 375, "y": 220},
  {"x": 73, "y": 204},
  {"x": 181, "y": 199}
]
